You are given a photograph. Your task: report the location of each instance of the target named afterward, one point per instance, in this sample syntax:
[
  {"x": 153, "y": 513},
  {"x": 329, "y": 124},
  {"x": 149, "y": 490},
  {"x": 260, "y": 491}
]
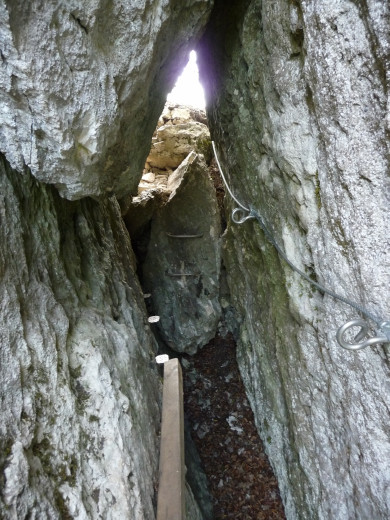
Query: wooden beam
[{"x": 170, "y": 501}]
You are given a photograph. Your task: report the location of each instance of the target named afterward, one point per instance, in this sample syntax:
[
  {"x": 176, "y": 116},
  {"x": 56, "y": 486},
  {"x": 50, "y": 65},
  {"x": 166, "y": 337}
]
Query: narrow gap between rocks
[
  {"x": 241, "y": 481},
  {"x": 180, "y": 174}
]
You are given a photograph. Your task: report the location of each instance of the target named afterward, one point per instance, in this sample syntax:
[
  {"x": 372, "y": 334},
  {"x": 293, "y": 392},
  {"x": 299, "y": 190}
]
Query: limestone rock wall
[
  {"x": 83, "y": 84},
  {"x": 79, "y": 389},
  {"x": 297, "y": 103}
]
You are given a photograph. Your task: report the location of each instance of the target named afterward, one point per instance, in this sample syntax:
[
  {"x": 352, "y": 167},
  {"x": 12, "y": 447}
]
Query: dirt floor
[{"x": 240, "y": 477}]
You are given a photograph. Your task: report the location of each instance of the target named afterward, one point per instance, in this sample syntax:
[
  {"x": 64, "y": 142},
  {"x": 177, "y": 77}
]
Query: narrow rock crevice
[
  {"x": 297, "y": 104},
  {"x": 227, "y": 468}
]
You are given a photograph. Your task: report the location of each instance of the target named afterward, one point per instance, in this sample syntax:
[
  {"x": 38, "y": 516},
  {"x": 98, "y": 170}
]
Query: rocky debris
[
  {"x": 241, "y": 481},
  {"x": 298, "y": 107},
  {"x": 176, "y": 114},
  {"x": 83, "y": 84},
  {"x": 180, "y": 130},
  {"x": 173, "y": 143},
  {"x": 182, "y": 265}
]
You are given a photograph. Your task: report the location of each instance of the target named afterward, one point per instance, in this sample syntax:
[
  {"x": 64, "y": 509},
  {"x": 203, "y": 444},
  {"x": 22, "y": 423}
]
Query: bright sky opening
[{"x": 188, "y": 90}]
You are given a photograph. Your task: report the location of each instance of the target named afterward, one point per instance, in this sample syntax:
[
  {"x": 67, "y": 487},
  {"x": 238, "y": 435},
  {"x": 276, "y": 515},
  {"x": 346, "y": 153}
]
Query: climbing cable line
[{"x": 242, "y": 213}]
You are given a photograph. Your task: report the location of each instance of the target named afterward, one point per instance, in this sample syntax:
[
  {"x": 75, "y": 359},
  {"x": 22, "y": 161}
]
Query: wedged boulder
[
  {"x": 182, "y": 265},
  {"x": 180, "y": 130}
]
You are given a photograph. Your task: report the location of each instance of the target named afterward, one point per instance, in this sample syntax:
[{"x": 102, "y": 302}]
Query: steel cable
[{"x": 253, "y": 214}]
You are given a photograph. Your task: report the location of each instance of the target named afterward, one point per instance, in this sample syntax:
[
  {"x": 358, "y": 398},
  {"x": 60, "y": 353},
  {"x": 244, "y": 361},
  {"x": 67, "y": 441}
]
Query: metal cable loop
[{"x": 383, "y": 336}]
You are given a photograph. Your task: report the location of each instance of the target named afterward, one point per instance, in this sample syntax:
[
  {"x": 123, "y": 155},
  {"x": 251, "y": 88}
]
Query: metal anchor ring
[
  {"x": 238, "y": 211},
  {"x": 358, "y": 345}
]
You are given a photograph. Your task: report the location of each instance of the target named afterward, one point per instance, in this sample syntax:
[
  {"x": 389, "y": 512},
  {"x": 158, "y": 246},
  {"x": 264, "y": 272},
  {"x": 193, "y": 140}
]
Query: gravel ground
[{"x": 240, "y": 477}]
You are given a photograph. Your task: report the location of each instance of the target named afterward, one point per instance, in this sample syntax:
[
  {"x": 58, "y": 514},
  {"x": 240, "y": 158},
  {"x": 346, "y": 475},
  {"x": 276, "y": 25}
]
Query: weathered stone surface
[
  {"x": 173, "y": 143},
  {"x": 297, "y": 102},
  {"x": 193, "y": 511},
  {"x": 195, "y": 475},
  {"x": 182, "y": 274},
  {"x": 79, "y": 391},
  {"x": 180, "y": 130},
  {"x": 82, "y": 85},
  {"x": 177, "y": 114}
]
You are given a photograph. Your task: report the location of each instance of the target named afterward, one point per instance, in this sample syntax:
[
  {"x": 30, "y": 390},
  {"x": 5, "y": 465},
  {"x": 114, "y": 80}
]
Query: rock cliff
[
  {"x": 297, "y": 95},
  {"x": 82, "y": 86},
  {"x": 79, "y": 391},
  {"x": 297, "y": 103}
]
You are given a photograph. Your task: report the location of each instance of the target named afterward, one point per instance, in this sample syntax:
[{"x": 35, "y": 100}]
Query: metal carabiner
[
  {"x": 363, "y": 333},
  {"x": 244, "y": 218}
]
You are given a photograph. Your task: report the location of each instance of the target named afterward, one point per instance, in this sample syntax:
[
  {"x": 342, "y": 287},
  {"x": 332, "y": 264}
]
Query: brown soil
[{"x": 240, "y": 477}]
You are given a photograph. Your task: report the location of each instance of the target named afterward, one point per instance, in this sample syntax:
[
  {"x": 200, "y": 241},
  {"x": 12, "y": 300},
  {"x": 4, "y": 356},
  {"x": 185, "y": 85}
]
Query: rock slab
[
  {"x": 182, "y": 265},
  {"x": 297, "y": 96}
]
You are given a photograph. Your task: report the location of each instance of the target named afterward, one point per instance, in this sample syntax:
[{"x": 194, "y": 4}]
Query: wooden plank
[{"x": 170, "y": 501}]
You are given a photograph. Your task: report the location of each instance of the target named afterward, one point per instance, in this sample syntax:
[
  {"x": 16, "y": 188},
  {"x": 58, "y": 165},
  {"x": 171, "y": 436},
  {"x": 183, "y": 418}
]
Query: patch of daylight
[{"x": 188, "y": 90}]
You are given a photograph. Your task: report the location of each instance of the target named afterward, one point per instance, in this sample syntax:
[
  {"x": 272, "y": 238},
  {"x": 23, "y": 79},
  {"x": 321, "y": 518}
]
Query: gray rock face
[
  {"x": 297, "y": 95},
  {"x": 182, "y": 265},
  {"x": 83, "y": 84},
  {"x": 79, "y": 392},
  {"x": 298, "y": 105},
  {"x": 81, "y": 88}
]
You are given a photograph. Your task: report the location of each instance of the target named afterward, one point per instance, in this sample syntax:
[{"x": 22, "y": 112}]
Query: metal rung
[
  {"x": 168, "y": 273},
  {"x": 184, "y": 236}
]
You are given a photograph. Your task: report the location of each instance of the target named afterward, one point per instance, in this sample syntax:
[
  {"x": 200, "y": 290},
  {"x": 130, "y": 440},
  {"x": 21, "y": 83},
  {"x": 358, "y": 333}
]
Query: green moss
[
  {"x": 203, "y": 146},
  {"x": 66, "y": 471},
  {"x": 62, "y": 506},
  {"x": 75, "y": 372},
  {"x": 6, "y": 448},
  {"x": 318, "y": 191},
  {"x": 341, "y": 239}
]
